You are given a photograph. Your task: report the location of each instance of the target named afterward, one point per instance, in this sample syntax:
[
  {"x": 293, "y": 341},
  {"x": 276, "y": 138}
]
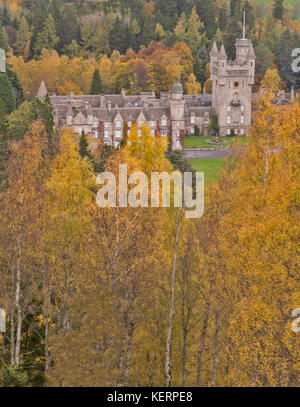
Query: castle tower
[
  {"x": 177, "y": 117},
  {"x": 232, "y": 83}
]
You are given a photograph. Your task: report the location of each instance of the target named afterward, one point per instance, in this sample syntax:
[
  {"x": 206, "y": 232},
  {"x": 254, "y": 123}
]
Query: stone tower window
[
  {"x": 236, "y": 84},
  {"x": 235, "y": 97}
]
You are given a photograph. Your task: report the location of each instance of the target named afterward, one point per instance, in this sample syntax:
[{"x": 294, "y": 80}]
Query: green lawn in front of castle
[
  {"x": 210, "y": 166},
  {"x": 204, "y": 142}
]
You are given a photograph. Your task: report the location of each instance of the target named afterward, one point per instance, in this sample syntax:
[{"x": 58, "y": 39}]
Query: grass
[
  {"x": 200, "y": 142},
  {"x": 210, "y": 166},
  {"x": 203, "y": 142}
]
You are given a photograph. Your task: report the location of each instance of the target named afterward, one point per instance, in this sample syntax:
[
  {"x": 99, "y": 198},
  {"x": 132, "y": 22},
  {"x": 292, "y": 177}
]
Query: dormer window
[
  {"x": 164, "y": 122},
  {"x": 118, "y": 123}
]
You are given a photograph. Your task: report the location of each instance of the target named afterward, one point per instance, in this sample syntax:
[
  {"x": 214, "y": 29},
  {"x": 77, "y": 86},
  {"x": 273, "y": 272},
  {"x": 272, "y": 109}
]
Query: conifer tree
[
  {"x": 47, "y": 38},
  {"x": 96, "y": 86},
  {"x": 4, "y": 41},
  {"x": 278, "y": 10},
  {"x": 6, "y": 92},
  {"x": 22, "y": 45},
  {"x": 84, "y": 146}
]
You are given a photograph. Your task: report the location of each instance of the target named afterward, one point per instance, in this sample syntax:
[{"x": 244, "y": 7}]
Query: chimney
[
  {"x": 292, "y": 94},
  {"x": 102, "y": 101}
]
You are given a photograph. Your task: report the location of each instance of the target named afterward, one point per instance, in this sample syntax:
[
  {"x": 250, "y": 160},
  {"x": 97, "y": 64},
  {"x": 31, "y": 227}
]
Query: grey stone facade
[
  {"x": 232, "y": 83},
  {"x": 104, "y": 116}
]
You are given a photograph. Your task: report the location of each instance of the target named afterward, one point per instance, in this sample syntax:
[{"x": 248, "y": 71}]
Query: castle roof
[
  {"x": 214, "y": 51},
  {"x": 222, "y": 53},
  {"x": 251, "y": 54},
  {"x": 42, "y": 92},
  {"x": 177, "y": 87}
]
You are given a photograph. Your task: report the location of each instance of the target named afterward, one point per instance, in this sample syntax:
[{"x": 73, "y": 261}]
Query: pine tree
[
  {"x": 84, "y": 146},
  {"x": 6, "y": 92},
  {"x": 235, "y": 8},
  {"x": 117, "y": 37},
  {"x": 18, "y": 90},
  {"x": 13, "y": 376},
  {"x": 148, "y": 31},
  {"x": 4, "y": 41},
  {"x": 278, "y": 10},
  {"x": 284, "y": 59},
  {"x": 22, "y": 44},
  {"x": 47, "y": 38},
  {"x": 233, "y": 31},
  {"x": 96, "y": 86},
  {"x": 223, "y": 14},
  {"x": 5, "y": 17}
]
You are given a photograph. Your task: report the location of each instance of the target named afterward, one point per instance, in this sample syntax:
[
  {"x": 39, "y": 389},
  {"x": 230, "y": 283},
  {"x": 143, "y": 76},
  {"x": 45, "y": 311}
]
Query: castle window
[
  {"x": 242, "y": 119},
  {"x": 192, "y": 130},
  {"x": 164, "y": 122},
  {"x": 228, "y": 132},
  {"x": 236, "y": 84},
  {"x": 192, "y": 119},
  {"x": 118, "y": 123},
  {"x": 106, "y": 125},
  {"x": 206, "y": 119},
  {"x": 228, "y": 119},
  {"x": 228, "y": 108},
  {"x": 242, "y": 132},
  {"x": 129, "y": 124},
  {"x": 242, "y": 108}
]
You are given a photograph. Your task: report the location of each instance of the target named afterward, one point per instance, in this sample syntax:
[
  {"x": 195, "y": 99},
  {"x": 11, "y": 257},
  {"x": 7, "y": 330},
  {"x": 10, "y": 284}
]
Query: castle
[{"x": 173, "y": 114}]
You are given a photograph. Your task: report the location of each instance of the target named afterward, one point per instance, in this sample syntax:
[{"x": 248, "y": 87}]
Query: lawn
[
  {"x": 210, "y": 166},
  {"x": 200, "y": 142},
  {"x": 203, "y": 142}
]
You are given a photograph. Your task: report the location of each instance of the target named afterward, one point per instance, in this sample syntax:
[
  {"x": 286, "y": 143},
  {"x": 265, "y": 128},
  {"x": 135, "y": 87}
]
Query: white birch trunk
[{"x": 170, "y": 327}]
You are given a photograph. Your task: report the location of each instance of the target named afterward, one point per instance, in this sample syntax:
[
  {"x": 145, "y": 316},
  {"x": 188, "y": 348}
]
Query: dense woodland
[
  {"x": 145, "y": 297},
  {"x": 140, "y": 45}
]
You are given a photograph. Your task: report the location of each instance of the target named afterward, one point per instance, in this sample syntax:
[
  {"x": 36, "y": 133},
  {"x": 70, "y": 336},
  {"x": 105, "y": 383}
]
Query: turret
[
  {"x": 42, "y": 92},
  {"x": 251, "y": 63},
  {"x": 222, "y": 62}
]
